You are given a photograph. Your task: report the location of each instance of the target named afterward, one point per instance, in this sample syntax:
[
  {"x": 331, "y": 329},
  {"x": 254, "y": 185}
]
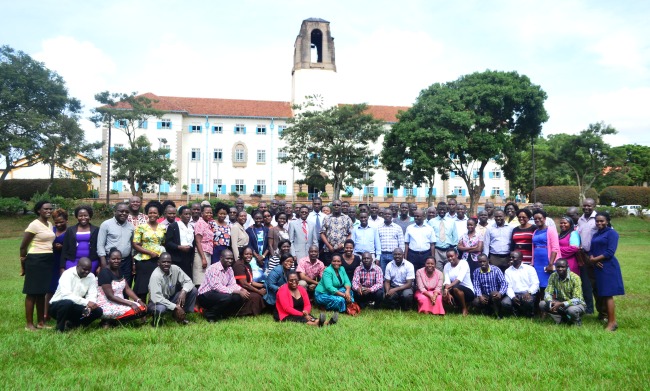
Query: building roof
[
  {"x": 221, "y": 107},
  {"x": 246, "y": 108}
]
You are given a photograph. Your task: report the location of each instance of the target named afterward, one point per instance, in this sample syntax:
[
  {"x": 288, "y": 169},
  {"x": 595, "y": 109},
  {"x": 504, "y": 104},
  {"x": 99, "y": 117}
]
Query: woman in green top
[{"x": 333, "y": 291}]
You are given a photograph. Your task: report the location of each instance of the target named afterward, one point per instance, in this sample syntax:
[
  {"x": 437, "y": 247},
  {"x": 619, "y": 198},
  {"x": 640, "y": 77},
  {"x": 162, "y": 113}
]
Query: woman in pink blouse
[
  {"x": 204, "y": 230},
  {"x": 429, "y": 289}
]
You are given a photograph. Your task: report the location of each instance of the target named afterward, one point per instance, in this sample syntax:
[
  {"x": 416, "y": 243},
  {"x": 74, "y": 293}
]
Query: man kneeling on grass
[
  {"x": 219, "y": 294},
  {"x": 164, "y": 294},
  {"x": 74, "y": 303},
  {"x": 563, "y": 296},
  {"x": 490, "y": 288}
]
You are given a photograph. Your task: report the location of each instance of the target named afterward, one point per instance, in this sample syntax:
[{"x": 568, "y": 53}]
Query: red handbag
[{"x": 353, "y": 309}]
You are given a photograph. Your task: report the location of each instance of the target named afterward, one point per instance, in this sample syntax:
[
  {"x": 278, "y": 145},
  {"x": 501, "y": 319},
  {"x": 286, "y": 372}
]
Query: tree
[
  {"x": 479, "y": 117},
  {"x": 32, "y": 100},
  {"x": 335, "y": 141},
  {"x": 143, "y": 167},
  {"x": 628, "y": 165},
  {"x": 128, "y": 112},
  {"x": 407, "y": 155},
  {"x": 65, "y": 146},
  {"x": 585, "y": 154}
]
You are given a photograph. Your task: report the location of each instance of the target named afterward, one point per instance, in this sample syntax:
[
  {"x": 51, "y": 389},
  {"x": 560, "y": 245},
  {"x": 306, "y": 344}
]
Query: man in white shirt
[
  {"x": 523, "y": 285},
  {"x": 420, "y": 241},
  {"x": 461, "y": 220},
  {"x": 374, "y": 220},
  {"x": 74, "y": 303},
  {"x": 398, "y": 282}
]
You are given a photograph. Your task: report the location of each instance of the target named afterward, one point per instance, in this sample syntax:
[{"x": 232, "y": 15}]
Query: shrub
[
  {"x": 101, "y": 209},
  {"x": 562, "y": 195},
  {"x": 94, "y": 193},
  {"x": 324, "y": 195},
  {"x": 302, "y": 194},
  {"x": 26, "y": 188},
  {"x": 211, "y": 194},
  {"x": 233, "y": 194},
  {"x": 280, "y": 195},
  {"x": 12, "y": 206},
  {"x": 625, "y": 195}
]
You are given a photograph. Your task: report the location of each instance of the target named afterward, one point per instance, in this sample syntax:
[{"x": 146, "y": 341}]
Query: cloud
[
  {"x": 623, "y": 51},
  {"x": 83, "y": 66}
]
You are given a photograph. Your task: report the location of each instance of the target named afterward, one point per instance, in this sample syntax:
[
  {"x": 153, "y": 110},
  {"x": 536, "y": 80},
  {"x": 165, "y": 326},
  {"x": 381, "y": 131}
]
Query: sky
[{"x": 591, "y": 57}]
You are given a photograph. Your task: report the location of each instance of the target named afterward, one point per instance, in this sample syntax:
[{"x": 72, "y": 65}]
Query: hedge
[
  {"x": 26, "y": 188},
  {"x": 12, "y": 206},
  {"x": 625, "y": 195},
  {"x": 562, "y": 195},
  {"x": 559, "y": 211}
]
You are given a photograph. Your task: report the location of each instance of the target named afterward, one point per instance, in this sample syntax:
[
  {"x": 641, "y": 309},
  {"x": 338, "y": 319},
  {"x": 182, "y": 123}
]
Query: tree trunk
[{"x": 49, "y": 185}]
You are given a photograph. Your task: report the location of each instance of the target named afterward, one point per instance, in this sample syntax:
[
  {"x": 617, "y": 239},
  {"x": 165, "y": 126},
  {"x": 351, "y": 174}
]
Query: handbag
[
  {"x": 582, "y": 257},
  {"x": 353, "y": 309}
]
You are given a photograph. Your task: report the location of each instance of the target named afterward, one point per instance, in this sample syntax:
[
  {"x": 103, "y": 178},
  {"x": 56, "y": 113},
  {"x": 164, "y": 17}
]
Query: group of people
[{"x": 287, "y": 259}]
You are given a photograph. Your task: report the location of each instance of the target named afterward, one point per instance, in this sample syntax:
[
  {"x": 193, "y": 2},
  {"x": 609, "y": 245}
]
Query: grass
[{"x": 376, "y": 350}]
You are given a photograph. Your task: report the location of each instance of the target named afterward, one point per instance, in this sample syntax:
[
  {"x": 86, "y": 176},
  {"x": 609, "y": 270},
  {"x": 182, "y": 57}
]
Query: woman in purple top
[{"x": 80, "y": 240}]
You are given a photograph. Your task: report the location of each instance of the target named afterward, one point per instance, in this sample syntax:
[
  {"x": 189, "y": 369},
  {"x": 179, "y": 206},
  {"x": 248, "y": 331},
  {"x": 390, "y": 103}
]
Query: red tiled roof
[
  {"x": 246, "y": 108},
  {"x": 222, "y": 107},
  {"x": 386, "y": 113}
]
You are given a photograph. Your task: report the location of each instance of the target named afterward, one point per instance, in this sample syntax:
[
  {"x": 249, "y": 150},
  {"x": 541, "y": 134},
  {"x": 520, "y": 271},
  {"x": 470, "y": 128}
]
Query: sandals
[
  {"x": 321, "y": 319},
  {"x": 333, "y": 319}
]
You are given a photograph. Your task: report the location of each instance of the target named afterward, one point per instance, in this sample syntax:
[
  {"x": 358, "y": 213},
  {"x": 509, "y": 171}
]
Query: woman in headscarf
[{"x": 569, "y": 240}]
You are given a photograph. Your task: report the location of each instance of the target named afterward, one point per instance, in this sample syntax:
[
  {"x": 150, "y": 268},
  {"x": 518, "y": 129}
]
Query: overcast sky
[{"x": 591, "y": 57}]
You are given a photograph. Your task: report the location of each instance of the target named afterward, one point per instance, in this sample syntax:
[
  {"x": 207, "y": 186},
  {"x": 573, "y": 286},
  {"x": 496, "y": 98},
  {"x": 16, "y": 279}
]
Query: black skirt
[
  {"x": 143, "y": 270},
  {"x": 38, "y": 273}
]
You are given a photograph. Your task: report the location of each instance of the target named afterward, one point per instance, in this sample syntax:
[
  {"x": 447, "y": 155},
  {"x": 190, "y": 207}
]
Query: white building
[{"x": 228, "y": 145}]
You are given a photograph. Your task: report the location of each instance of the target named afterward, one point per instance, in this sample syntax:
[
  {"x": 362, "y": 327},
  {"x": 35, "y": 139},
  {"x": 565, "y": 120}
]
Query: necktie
[
  {"x": 317, "y": 223},
  {"x": 304, "y": 228},
  {"x": 442, "y": 231}
]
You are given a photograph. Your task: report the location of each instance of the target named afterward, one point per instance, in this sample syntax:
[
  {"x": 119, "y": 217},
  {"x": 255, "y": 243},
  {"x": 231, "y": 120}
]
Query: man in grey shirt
[
  {"x": 117, "y": 232},
  {"x": 164, "y": 292},
  {"x": 586, "y": 229}
]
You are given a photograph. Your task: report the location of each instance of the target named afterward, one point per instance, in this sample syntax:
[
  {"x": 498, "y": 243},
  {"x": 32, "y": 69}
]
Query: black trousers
[
  {"x": 363, "y": 300},
  {"x": 68, "y": 311},
  {"x": 217, "y": 305},
  {"x": 126, "y": 267}
]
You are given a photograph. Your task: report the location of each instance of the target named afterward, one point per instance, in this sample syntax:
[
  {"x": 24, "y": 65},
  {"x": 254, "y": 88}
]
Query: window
[
  {"x": 217, "y": 186},
  {"x": 120, "y": 123},
  {"x": 239, "y": 186},
  {"x": 389, "y": 188},
  {"x": 240, "y": 156},
  {"x": 281, "y": 129},
  {"x": 196, "y": 154},
  {"x": 282, "y": 154},
  {"x": 169, "y": 148},
  {"x": 495, "y": 174},
  {"x": 453, "y": 174},
  {"x": 261, "y": 156},
  {"x": 196, "y": 186},
  {"x": 458, "y": 190},
  {"x": 217, "y": 129},
  {"x": 118, "y": 146},
  {"x": 496, "y": 191},
  {"x": 475, "y": 174},
  {"x": 366, "y": 176},
  {"x": 282, "y": 187},
  {"x": 261, "y": 129},
  {"x": 142, "y": 124},
  {"x": 195, "y": 128},
  {"x": 408, "y": 192},
  {"x": 370, "y": 190},
  {"x": 240, "y": 129},
  {"x": 260, "y": 187},
  {"x": 217, "y": 155},
  {"x": 164, "y": 124}
]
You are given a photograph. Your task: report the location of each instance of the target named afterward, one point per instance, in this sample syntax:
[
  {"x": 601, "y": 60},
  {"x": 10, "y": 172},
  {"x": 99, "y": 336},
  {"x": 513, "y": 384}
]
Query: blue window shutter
[
  {"x": 374, "y": 191},
  {"x": 365, "y": 190},
  {"x": 201, "y": 189},
  {"x": 394, "y": 192},
  {"x": 158, "y": 125},
  {"x": 232, "y": 188},
  {"x": 462, "y": 192},
  {"x": 112, "y": 150},
  {"x": 244, "y": 130},
  {"x": 189, "y": 128},
  {"x": 453, "y": 175},
  {"x": 501, "y": 193},
  {"x": 483, "y": 193},
  {"x": 223, "y": 189},
  {"x": 144, "y": 124},
  {"x": 434, "y": 191},
  {"x": 491, "y": 175},
  {"x": 415, "y": 191},
  {"x": 244, "y": 189},
  {"x": 117, "y": 123}
]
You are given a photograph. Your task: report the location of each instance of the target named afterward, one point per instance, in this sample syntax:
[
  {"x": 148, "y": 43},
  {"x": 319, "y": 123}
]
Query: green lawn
[{"x": 376, "y": 350}]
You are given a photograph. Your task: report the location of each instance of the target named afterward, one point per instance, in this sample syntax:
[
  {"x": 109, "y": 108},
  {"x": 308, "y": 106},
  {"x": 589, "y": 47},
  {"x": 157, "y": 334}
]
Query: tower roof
[{"x": 316, "y": 20}]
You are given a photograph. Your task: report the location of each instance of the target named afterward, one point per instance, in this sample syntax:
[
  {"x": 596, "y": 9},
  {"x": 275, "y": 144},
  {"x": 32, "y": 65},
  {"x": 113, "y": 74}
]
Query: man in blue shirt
[
  {"x": 490, "y": 287},
  {"x": 366, "y": 238}
]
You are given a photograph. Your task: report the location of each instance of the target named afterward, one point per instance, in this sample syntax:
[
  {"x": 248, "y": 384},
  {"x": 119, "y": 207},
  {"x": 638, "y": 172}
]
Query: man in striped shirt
[
  {"x": 367, "y": 283},
  {"x": 391, "y": 237},
  {"x": 219, "y": 294},
  {"x": 490, "y": 287}
]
